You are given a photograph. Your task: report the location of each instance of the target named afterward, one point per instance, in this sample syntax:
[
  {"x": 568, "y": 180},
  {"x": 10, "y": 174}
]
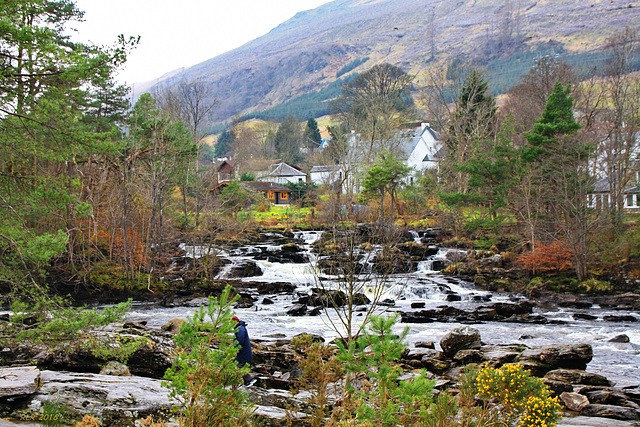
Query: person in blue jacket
[{"x": 245, "y": 355}]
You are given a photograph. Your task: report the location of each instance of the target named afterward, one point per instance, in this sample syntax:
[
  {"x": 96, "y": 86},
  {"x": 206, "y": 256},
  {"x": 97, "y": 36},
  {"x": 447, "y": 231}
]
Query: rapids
[{"x": 620, "y": 362}]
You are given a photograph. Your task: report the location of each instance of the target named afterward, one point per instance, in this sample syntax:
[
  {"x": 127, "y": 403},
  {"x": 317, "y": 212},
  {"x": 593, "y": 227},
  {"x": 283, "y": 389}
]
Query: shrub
[
  {"x": 520, "y": 396},
  {"x": 553, "y": 257}
]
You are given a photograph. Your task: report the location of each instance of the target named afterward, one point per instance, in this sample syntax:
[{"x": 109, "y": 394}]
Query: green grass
[{"x": 277, "y": 215}]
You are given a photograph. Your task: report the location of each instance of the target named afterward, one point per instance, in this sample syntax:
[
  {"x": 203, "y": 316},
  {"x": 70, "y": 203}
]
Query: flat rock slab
[
  {"x": 103, "y": 394},
  {"x": 19, "y": 381},
  {"x": 593, "y": 422}
]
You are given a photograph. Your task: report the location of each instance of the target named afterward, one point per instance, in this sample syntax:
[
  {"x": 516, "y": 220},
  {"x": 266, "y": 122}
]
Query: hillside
[{"x": 305, "y": 53}]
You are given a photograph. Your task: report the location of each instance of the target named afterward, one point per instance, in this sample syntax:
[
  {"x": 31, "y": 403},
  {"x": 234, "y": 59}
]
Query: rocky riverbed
[
  {"x": 587, "y": 349},
  {"x": 111, "y": 393}
]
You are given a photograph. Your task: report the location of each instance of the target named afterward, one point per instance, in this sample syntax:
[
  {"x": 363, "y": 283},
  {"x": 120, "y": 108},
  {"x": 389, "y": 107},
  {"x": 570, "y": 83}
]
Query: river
[{"x": 620, "y": 362}]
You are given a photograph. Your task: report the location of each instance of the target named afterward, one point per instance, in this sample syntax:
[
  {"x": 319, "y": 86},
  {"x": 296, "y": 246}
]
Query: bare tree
[
  {"x": 618, "y": 151},
  {"x": 374, "y": 104},
  {"x": 192, "y": 103}
]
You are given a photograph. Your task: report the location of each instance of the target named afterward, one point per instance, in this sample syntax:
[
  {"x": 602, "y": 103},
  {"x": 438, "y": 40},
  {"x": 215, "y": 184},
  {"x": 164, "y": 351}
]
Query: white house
[
  {"x": 282, "y": 173},
  {"x": 422, "y": 147},
  {"x": 418, "y": 146},
  {"x": 326, "y": 175},
  {"x": 600, "y": 197}
]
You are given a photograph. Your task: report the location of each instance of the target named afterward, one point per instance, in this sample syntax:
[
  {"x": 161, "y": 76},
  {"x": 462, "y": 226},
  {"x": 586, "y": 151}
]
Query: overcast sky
[{"x": 181, "y": 33}]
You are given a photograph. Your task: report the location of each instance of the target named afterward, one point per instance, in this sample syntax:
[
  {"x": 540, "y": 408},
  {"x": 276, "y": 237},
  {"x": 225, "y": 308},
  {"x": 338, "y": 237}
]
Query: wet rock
[
  {"x": 584, "y": 316},
  {"x": 435, "y": 365},
  {"x": 557, "y": 388},
  {"x": 546, "y": 358},
  {"x": 535, "y": 319},
  {"x": 508, "y": 309},
  {"x": 611, "y": 411},
  {"x": 275, "y": 288},
  {"x": 622, "y": 338},
  {"x": 576, "y": 376},
  {"x": 420, "y": 353},
  {"x": 574, "y": 401},
  {"x": 248, "y": 269},
  {"x": 498, "y": 355},
  {"x": 136, "y": 325},
  {"x": 608, "y": 396},
  {"x": 461, "y": 338},
  {"x": 465, "y": 357},
  {"x": 173, "y": 326},
  {"x": 623, "y": 318},
  {"x": 438, "y": 265},
  {"x": 18, "y": 381},
  {"x": 297, "y": 310},
  {"x": 270, "y": 358},
  {"x": 115, "y": 368},
  {"x": 453, "y": 297},
  {"x": 267, "y": 301},
  {"x": 418, "y": 304},
  {"x": 425, "y": 344},
  {"x": 485, "y": 314}
]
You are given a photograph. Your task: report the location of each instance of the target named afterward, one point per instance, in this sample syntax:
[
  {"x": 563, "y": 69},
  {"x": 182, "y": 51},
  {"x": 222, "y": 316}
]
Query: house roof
[
  {"x": 326, "y": 168},
  {"x": 410, "y": 138},
  {"x": 264, "y": 186},
  {"x": 283, "y": 169},
  {"x": 255, "y": 186},
  {"x": 604, "y": 186}
]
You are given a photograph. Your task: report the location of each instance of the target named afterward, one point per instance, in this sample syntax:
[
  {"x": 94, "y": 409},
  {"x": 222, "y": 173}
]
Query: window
[
  {"x": 284, "y": 196},
  {"x": 271, "y": 195},
  {"x": 629, "y": 200}
]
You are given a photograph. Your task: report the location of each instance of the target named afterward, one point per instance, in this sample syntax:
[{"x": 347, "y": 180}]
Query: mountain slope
[{"x": 306, "y": 52}]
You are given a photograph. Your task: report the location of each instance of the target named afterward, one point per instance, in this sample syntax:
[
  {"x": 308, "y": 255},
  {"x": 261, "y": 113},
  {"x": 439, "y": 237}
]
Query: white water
[{"x": 618, "y": 362}]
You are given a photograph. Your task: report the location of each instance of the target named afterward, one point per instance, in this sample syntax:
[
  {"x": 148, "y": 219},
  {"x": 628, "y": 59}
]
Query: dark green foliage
[
  {"x": 234, "y": 198},
  {"x": 226, "y": 141},
  {"x": 351, "y": 65},
  {"x": 385, "y": 178},
  {"x": 205, "y": 376},
  {"x": 206, "y": 153},
  {"x": 311, "y": 136},
  {"x": 312, "y": 104},
  {"x": 288, "y": 140},
  {"x": 303, "y": 192},
  {"x": 58, "y": 108},
  {"x": 246, "y": 176}
]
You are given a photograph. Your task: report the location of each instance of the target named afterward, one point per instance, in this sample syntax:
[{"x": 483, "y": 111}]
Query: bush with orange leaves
[{"x": 553, "y": 257}]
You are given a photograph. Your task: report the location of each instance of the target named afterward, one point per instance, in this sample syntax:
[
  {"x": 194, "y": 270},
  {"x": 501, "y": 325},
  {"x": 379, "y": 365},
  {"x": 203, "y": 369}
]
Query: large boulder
[
  {"x": 577, "y": 376},
  {"x": 541, "y": 360},
  {"x": 611, "y": 411},
  {"x": 574, "y": 401},
  {"x": 462, "y": 338}
]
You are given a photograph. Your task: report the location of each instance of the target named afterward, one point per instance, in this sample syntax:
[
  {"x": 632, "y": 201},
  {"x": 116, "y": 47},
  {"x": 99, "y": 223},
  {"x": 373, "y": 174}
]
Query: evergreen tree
[
  {"x": 288, "y": 140},
  {"x": 226, "y": 142},
  {"x": 47, "y": 83},
  {"x": 385, "y": 178},
  {"x": 471, "y": 122},
  {"x": 311, "y": 135},
  {"x": 560, "y": 158}
]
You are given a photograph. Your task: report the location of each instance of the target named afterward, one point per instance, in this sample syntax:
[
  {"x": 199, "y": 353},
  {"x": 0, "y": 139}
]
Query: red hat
[{"x": 235, "y": 318}]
